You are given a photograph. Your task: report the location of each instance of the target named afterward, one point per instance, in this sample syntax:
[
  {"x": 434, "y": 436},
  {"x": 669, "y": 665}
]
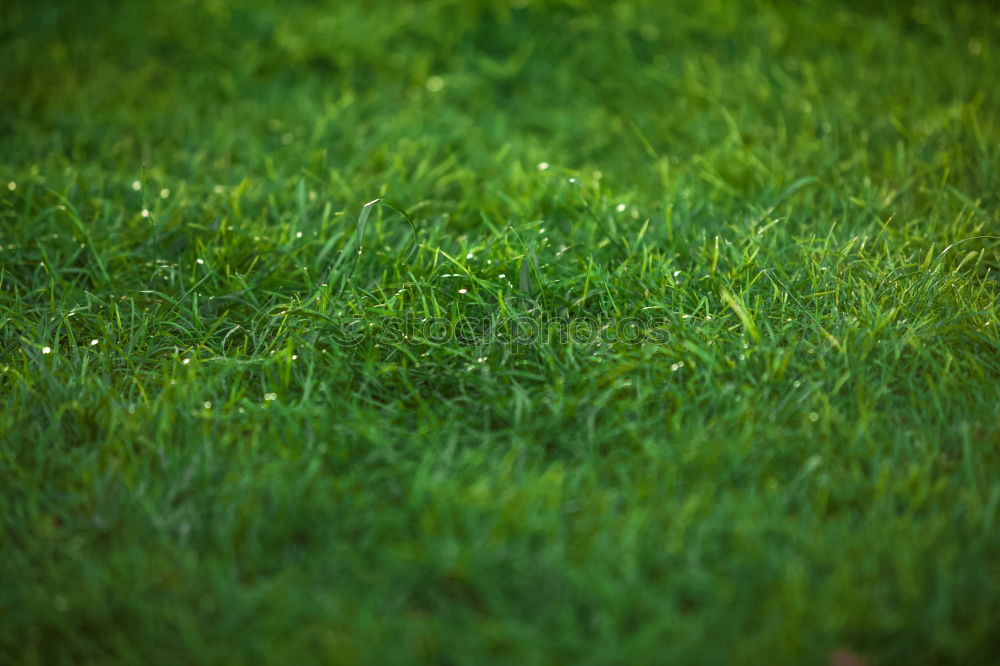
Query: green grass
[{"x": 795, "y": 205}]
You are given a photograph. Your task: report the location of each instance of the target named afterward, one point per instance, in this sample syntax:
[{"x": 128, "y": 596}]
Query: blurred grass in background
[
  {"x": 742, "y": 95},
  {"x": 213, "y": 481}
]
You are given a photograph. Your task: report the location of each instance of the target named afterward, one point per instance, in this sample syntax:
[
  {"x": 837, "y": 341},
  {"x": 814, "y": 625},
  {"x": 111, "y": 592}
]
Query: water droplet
[
  {"x": 145, "y": 212},
  {"x": 46, "y": 350},
  {"x": 94, "y": 342},
  {"x": 463, "y": 291},
  {"x": 542, "y": 166},
  {"x": 136, "y": 185},
  {"x": 164, "y": 193},
  {"x": 11, "y": 186}
]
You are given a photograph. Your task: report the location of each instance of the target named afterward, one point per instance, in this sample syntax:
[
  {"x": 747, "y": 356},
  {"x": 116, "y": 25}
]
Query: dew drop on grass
[
  {"x": 207, "y": 405},
  {"x": 145, "y": 212},
  {"x": 136, "y": 185},
  {"x": 11, "y": 186},
  {"x": 542, "y": 166},
  {"x": 46, "y": 350},
  {"x": 164, "y": 193},
  {"x": 94, "y": 342}
]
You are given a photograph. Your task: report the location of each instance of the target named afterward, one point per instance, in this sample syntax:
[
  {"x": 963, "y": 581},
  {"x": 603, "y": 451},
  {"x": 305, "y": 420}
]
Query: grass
[{"x": 772, "y": 230}]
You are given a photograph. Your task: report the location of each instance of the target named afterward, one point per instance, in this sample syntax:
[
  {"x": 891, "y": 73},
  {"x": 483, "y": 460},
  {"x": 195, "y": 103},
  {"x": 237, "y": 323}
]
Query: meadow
[{"x": 499, "y": 332}]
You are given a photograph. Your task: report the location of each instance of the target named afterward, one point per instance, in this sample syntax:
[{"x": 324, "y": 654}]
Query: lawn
[{"x": 499, "y": 332}]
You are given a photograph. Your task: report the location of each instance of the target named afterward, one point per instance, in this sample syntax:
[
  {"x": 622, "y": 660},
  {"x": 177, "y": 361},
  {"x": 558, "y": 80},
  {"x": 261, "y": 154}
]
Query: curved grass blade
[{"x": 362, "y": 223}]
